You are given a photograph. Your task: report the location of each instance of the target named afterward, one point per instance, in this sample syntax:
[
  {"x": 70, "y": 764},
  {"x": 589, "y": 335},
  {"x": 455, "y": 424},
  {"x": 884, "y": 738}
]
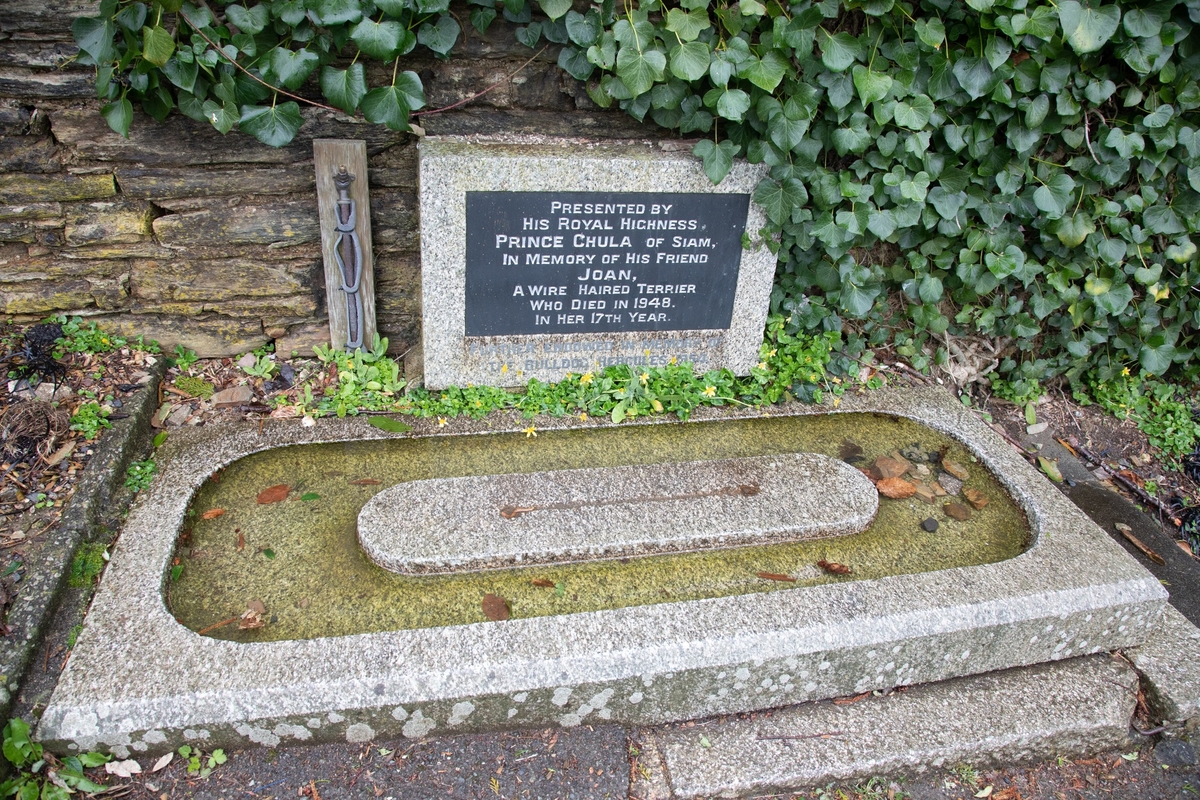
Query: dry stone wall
[{"x": 186, "y": 236}]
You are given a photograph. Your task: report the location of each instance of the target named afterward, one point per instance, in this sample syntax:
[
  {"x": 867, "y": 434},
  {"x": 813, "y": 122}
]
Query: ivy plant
[
  {"x": 234, "y": 64},
  {"x": 1019, "y": 170},
  {"x": 1025, "y": 171}
]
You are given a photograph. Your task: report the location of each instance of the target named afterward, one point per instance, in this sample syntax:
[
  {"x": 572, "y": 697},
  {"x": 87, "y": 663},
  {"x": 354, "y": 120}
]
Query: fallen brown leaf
[
  {"x": 775, "y": 576},
  {"x": 274, "y": 494},
  {"x": 845, "y": 701},
  {"x": 833, "y": 567},
  {"x": 495, "y": 607},
  {"x": 366, "y": 482},
  {"x": 212, "y": 513},
  {"x": 241, "y": 544},
  {"x": 542, "y": 582}
]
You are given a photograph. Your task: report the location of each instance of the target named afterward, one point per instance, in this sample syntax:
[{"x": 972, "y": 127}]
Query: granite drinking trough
[{"x": 388, "y": 663}]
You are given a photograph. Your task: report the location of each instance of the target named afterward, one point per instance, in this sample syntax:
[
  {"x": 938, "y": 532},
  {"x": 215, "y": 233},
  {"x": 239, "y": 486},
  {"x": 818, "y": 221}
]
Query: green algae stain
[{"x": 316, "y": 581}]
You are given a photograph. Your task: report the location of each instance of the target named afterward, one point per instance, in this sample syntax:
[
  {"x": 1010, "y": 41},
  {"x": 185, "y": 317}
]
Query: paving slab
[
  {"x": 1170, "y": 666},
  {"x": 1075, "y": 707},
  {"x": 561, "y": 516},
  {"x": 139, "y": 682}
]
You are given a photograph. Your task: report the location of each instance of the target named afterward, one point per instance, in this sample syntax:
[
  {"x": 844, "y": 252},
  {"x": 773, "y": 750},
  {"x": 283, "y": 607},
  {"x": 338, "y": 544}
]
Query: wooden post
[{"x": 330, "y": 156}]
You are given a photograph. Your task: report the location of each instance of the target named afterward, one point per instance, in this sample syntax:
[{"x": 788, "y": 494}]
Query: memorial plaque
[
  {"x": 544, "y": 257},
  {"x": 597, "y": 262}
]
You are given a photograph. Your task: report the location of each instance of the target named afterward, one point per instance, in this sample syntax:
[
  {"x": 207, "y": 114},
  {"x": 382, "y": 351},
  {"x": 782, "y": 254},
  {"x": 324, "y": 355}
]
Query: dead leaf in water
[
  {"x": 274, "y": 494},
  {"x": 212, "y": 513},
  {"x": 252, "y": 617},
  {"x": 775, "y": 576},
  {"x": 366, "y": 482},
  {"x": 542, "y": 582},
  {"x": 495, "y": 608},
  {"x": 834, "y": 568},
  {"x": 241, "y": 545},
  {"x": 851, "y": 700}
]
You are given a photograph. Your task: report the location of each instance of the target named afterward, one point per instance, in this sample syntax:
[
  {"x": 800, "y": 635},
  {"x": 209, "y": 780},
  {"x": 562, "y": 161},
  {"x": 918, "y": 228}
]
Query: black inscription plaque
[{"x": 599, "y": 262}]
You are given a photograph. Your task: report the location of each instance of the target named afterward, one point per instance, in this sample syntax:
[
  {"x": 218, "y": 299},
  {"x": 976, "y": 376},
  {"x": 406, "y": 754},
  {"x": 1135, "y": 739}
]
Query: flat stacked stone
[{"x": 449, "y": 525}]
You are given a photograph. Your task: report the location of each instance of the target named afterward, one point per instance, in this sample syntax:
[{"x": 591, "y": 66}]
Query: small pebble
[
  {"x": 895, "y": 488},
  {"x": 956, "y": 469},
  {"x": 951, "y": 484},
  {"x": 958, "y": 511},
  {"x": 929, "y": 525}
]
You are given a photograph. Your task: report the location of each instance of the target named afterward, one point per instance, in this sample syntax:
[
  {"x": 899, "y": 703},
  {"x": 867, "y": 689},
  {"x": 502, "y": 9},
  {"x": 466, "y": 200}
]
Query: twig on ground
[
  {"x": 1138, "y": 491},
  {"x": 828, "y": 735}
]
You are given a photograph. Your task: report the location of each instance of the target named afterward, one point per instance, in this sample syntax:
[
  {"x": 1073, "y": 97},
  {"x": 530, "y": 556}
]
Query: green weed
[
  {"x": 195, "y": 386},
  {"x": 33, "y": 768},
  {"x": 1159, "y": 409},
  {"x": 197, "y": 764},
  {"x": 89, "y": 419},
  {"x": 140, "y": 475}
]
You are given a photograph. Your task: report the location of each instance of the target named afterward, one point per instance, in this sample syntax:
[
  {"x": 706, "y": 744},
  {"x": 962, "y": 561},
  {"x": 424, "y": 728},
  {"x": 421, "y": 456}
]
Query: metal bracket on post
[{"x": 342, "y": 198}]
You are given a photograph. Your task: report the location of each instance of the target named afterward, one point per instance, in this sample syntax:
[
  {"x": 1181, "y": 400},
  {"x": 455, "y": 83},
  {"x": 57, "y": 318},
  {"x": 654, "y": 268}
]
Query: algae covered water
[{"x": 297, "y": 563}]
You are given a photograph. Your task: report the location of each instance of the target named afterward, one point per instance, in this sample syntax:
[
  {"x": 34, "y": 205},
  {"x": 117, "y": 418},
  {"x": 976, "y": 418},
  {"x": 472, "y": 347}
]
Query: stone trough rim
[{"x": 105, "y": 700}]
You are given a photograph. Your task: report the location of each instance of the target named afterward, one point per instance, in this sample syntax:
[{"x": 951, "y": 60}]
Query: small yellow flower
[
  {"x": 583, "y": 417},
  {"x": 772, "y": 354},
  {"x": 646, "y": 352},
  {"x": 762, "y": 365},
  {"x": 710, "y": 391},
  {"x": 441, "y": 422},
  {"x": 644, "y": 377},
  {"x": 837, "y": 401},
  {"x": 530, "y": 431},
  {"x": 504, "y": 369},
  {"x": 673, "y": 361},
  {"x": 1125, "y": 372},
  {"x": 586, "y": 378}
]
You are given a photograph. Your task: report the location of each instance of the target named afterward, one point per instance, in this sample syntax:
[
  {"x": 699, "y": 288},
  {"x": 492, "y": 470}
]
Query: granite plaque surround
[
  {"x": 562, "y": 516},
  {"x": 545, "y": 257}
]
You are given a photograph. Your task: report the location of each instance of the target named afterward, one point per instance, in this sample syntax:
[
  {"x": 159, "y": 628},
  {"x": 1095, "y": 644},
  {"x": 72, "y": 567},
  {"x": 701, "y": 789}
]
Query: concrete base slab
[
  {"x": 138, "y": 681},
  {"x": 1075, "y": 707},
  {"x": 1170, "y": 666}
]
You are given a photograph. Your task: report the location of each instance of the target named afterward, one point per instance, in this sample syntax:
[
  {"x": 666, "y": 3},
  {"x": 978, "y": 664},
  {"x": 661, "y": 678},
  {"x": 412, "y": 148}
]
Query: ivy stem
[
  {"x": 250, "y": 74},
  {"x": 478, "y": 95},
  {"x": 395, "y": 71}
]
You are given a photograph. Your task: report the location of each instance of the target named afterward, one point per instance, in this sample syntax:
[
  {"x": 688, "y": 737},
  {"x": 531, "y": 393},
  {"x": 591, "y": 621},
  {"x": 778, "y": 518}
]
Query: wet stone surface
[{"x": 561, "y": 516}]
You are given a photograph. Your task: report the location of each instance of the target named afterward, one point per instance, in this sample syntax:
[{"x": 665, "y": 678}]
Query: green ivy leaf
[
  {"x": 439, "y": 38},
  {"x": 119, "y": 115},
  {"x": 292, "y": 68},
  {"x": 717, "y": 158},
  {"x": 584, "y": 29},
  {"x": 389, "y": 424},
  {"x": 871, "y": 85},
  {"x": 687, "y": 24},
  {"x": 733, "y": 104},
  {"x": 481, "y": 17},
  {"x": 1054, "y": 195},
  {"x": 248, "y": 20},
  {"x": 1072, "y": 230},
  {"x": 132, "y": 17},
  {"x": 94, "y": 37},
  {"x": 639, "y": 70},
  {"x": 1164, "y": 220},
  {"x": 344, "y": 88},
  {"x": 388, "y": 106},
  {"x": 839, "y": 51},
  {"x": 1156, "y": 355},
  {"x": 932, "y": 32},
  {"x": 1087, "y": 29},
  {"x": 272, "y": 125},
  {"x": 335, "y": 12},
  {"x": 765, "y": 72},
  {"x": 689, "y": 61},
  {"x": 379, "y": 40},
  {"x": 157, "y": 46},
  {"x": 778, "y": 198},
  {"x": 914, "y": 113},
  {"x": 222, "y": 116},
  {"x": 575, "y": 63},
  {"x": 555, "y": 8},
  {"x": 1115, "y": 299},
  {"x": 1161, "y": 116},
  {"x": 975, "y": 75}
]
